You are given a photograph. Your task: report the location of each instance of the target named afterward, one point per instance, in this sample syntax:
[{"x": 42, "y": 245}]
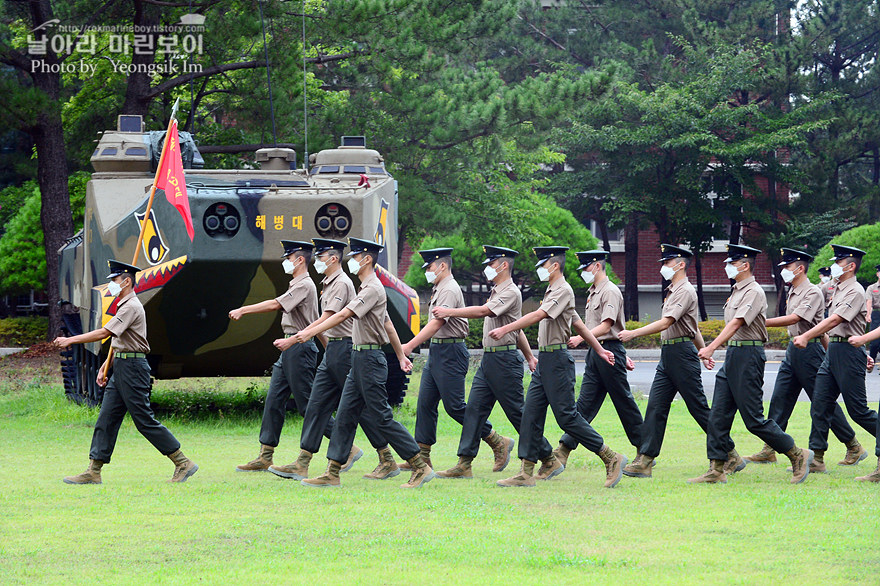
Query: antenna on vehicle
[
  {"x": 305, "y": 97},
  {"x": 268, "y": 74}
]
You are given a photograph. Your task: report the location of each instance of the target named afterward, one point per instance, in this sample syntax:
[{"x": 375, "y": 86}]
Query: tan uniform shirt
[
  {"x": 748, "y": 302},
  {"x": 299, "y": 303},
  {"x": 873, "y": 292},
  {"x": 681, "y": 305},
  {"x": 850, "y": 304},
  {"x": 828, "y": 292},
  {"x": 806, "y": 302},
  {"x": 505, "y": 301},
  {"x": 447, "y": 293},
  {"x": 605, "y": 301},
  {"x": 338, "y": 291},
  {"x": 129, "y": 326},
  {"x": 558, "y": 303},
  {"x": 369, "y": 308}
]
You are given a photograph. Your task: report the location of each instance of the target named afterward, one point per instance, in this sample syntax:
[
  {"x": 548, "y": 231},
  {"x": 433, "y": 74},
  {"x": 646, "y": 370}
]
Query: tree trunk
[
  {"x": 48, "y": 136},
  {"x": 631, "y": 269},
  {"x": 735, "y": 227},
  {"x": 138, "y": 87},
  {"x": 701, "y": 301}
]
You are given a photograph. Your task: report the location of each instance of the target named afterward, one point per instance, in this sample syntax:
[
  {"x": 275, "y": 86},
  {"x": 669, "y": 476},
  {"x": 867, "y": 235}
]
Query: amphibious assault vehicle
[{"x": 239, "y": 215}]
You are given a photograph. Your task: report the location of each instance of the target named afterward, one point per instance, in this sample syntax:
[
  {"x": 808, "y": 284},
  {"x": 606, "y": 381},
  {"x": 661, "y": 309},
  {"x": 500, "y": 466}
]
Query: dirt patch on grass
[{"x": 38, "y": 364}]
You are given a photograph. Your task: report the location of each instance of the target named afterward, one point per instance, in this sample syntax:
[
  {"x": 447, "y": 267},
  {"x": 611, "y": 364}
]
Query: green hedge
[
  {"x": 209, "y": 402},
  {"x": 710, "y": 330},
  {"x": 23, "y": 331}
]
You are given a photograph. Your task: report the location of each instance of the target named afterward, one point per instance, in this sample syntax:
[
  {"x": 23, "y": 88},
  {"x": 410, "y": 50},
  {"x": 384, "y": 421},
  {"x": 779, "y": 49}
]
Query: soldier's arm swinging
[
  {"x": 319, "y": 328},
  {"x": 726, "y": 334},
  {"x": 523, "y": 344},
  {"x": 471, "y": 312},
  {"x": 426, "y": 333},
  {"x": 783, "y": 321},
  {"x": 93, "y": 336},
  {"x": 823, "y": 326},
  {"x": 285, "y": 343},
  {"x": 646, "y": 330},
  {"x": 405, "y": 364},
  {"x": 262, "y": 307},
  {"x": 865, "y": 338},
  {"x": 581, "y": 328},
  {"x": 522, "y": 323}
]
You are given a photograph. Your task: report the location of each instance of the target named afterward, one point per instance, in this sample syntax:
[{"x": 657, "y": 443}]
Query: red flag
[{"x": 172, "y": 181}]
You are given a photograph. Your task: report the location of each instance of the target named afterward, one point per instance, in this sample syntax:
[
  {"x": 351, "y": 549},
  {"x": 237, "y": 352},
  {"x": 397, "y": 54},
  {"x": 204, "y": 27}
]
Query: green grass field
[{"x": 229, "y": 527}]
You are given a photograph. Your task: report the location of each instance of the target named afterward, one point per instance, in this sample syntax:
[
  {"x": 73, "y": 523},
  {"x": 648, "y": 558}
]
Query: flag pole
[{"x": 140, "y": 240}]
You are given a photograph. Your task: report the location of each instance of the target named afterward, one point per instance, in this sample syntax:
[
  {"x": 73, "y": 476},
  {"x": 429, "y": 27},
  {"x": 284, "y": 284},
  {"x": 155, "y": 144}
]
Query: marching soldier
[
  {"x": 128, "y": 389},
  {"x": 605, "y": 319},
  {"x": 679, "y": 367},
  {"x": 806, "y": 308},
  {"x": 500, "y": 375},
  {"x": 364, "y": 396},
  {"x": 294, "y": 371},
  {"x": 553, "y": 380},
  {"x": 739, "y": 383},
  {"x": 873, "y": 294},
  {"x": 843, "y": 369},
  {"x": 444, "y": 373},
  {"x": 338, "y": 292}
]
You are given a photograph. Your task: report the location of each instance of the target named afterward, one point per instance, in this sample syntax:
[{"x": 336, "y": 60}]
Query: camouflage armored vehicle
[{"x": 188, "y": 287}]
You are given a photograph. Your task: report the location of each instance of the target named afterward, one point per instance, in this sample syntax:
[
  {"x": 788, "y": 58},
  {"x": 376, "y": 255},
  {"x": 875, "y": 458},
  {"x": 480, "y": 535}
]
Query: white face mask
[
  {"x": 354, "y": 266},
  {"x": 543, "y": 274},
  {"x": 824, "y": 279},
  {"x": 587, "y": 276},
  {"x": 731, "y": 271},
  {"x": 114, "y": 288},
  {"x": 836, "y": 271},
  {"x": 490, "y": 273},
  {"x": 288, "y": 266},
  {"x": 431, "y": 276},
  {"x": 786, "y": 275},
  {"x": 667, "y": 272}
]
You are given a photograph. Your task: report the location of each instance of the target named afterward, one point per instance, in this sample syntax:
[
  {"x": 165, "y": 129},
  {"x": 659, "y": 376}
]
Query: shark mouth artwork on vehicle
[{"x": 147, "y": 279}]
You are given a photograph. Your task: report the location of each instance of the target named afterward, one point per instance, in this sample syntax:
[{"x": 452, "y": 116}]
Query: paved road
[
  {"x": 7, "y": 351},
  {"x": 640, "y": 379}
]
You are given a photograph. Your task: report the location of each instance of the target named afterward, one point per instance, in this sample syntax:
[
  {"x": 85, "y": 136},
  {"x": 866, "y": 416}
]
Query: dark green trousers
[
  {"x": 443, "y": 380},
  {"x": 601, "y": 379},
  {"x": 677, "y": 372},
  {"x": 292, "y": 374},
  {"x": 798, "y": 372},
  {"x": 128, "y": 391},
  {"x": 739, "y": 386},
  {"x": 553, "y": 385},
  {"x": 498, "y": 379},
  {"x": 364, "y": 398},
  {"x": 875, "y": 323},
  {"x": 326, "y": 394},
  {"x": 842, "y": 373}
]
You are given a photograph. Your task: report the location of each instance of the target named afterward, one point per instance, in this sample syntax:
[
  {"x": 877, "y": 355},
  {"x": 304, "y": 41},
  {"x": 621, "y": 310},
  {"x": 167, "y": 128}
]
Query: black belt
[
  {"x": 499, "y": 348},
  {"x": 124, "y": 355},
  {"x": 745, "y": 343},
  {"x": 552, "y": 347},
  {"x": 603, "y": 342},
  {"x": 446, "y": 340},
  {"x": 367, "y": 347},
  {"x": 671, "y": 341}
]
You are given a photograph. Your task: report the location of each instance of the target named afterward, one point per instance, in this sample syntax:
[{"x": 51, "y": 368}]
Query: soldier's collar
[
  {"x": 841, "y": 285},
  {"x": 503, "y": 286},
  {"x": 299, "y": 278},
  {"x": 330, "y": 278},
  {"x": 674, "y": 286},
  {"x": 744, "y": 282},
  {"x": 370, "y": 278},
  {"x": 126, "y": 299}
]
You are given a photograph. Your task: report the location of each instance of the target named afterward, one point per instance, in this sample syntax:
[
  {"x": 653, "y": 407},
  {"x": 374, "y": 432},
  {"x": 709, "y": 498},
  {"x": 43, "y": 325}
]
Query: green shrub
[
  {"x": 778, "y": 337},
  {"x": 206, "y": 401},
  {"x": 866, "y": 238},
  {"x": 23, "y": 331}
]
